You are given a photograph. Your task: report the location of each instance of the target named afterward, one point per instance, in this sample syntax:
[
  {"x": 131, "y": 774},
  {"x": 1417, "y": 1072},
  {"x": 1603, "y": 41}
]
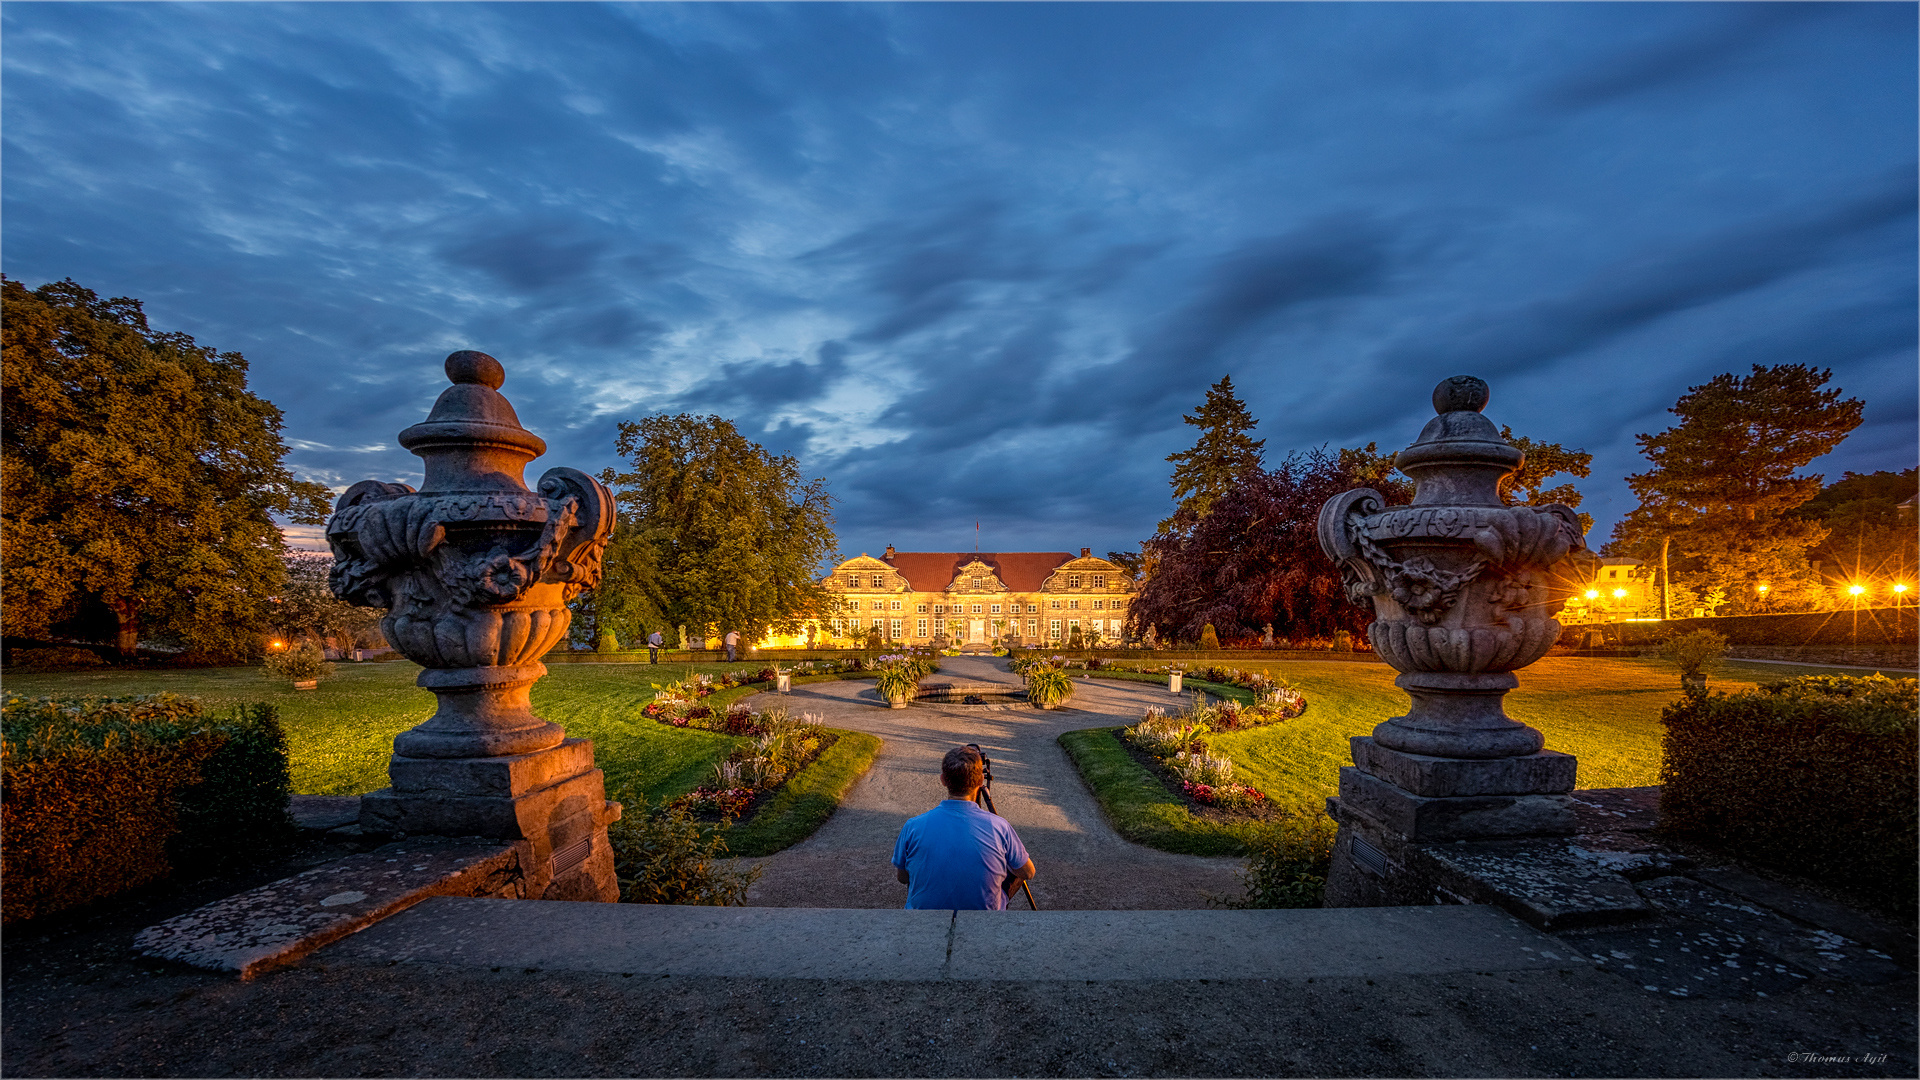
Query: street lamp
[{"x": 1856, "y": 590}]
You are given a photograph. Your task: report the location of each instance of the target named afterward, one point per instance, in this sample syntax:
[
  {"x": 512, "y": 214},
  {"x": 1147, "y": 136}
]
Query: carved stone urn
[
  {"x": 1464, "y": 591},
  {"x": 475, "y": 571}
]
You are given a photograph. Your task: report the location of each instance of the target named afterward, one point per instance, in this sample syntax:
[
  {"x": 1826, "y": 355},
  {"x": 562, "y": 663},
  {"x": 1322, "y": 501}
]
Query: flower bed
[
  {"x": 1174, "y": 747},
  {"x": 781, "y": 745}
]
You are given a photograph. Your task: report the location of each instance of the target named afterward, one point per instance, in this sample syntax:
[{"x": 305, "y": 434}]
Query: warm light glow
[
  {"x": 1900, "y": 587},
  {"x": 1856, "y": 590},
  {"x": 1593, "y": 594},
  {"x": 1761, "y": 587},
  {"x": 277, "y": 645},
  {"x": 1619, "y": 593}
]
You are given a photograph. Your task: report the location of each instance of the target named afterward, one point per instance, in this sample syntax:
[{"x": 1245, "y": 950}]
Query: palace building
[{"x": 980, "y": 597}]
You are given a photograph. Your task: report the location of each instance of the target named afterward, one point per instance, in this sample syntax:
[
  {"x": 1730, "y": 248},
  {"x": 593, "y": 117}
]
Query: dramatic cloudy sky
[{"x": 974, "y": 261}]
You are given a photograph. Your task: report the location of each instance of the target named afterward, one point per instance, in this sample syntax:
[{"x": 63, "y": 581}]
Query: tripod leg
[{"x": 1030, "y": 901}]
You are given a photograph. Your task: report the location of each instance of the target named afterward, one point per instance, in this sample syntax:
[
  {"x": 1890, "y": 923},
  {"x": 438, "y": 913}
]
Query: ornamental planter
[
  {"x": 475, "y": 570},
  {"x": 1463, "y": 591},
  {"x": 306, "y": 684}
]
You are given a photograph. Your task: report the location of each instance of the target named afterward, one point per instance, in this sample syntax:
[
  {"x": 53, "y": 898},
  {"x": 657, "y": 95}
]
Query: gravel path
[{"x": 1082, "y": 862}]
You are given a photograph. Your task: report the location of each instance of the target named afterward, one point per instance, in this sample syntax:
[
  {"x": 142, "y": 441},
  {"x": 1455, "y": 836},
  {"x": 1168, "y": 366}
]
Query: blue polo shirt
[{"x": 956, "y": 855}]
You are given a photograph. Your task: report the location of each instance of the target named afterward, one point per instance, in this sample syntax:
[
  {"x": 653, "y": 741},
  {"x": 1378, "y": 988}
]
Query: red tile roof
[{"x": 1021, "y": 571}]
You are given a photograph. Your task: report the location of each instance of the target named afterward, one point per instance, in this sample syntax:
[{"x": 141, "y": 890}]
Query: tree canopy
[
  {"x": 1724, "y": 487},
  {"x": 714, "y": 534},
  {"x": 136, "y": 469},
  {"x": 1545, "y": 461},
  {"x": 1867, "y": 543},
  {"x": 1254, "y": 558},
  {"x": 307, "y": 608},
  {"x": 1222, "y": 454}
]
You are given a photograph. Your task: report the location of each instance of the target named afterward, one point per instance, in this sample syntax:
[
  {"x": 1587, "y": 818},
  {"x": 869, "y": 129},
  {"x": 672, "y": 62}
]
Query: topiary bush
[
  {"x": 100, "y": 795},
  {"x": 1209, "y": 640},
  {"x": 304, "y": 662},
  {"x": 1816, "y": 775}
]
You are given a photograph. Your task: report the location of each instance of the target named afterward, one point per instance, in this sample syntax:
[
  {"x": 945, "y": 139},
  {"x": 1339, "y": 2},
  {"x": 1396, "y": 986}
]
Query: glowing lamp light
[
  {"x": 1900, "y": 587},
  {"x": 1856, "y": 590},
  {"x": 277, "y": 645},
  {"x": 1760, "y": 588},
  {"x": 1619, "y": 593},
  {"x": 1593, "y": 594}
]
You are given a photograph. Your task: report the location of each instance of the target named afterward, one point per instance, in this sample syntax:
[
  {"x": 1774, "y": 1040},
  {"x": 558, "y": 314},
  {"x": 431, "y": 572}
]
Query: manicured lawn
[
  {"x": 342, "y": 734},
  {"x": 1606, "y": 712}
]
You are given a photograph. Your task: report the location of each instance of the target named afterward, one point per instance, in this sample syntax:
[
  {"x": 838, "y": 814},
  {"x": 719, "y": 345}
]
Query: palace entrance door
[{"x": 977, "y": 630}]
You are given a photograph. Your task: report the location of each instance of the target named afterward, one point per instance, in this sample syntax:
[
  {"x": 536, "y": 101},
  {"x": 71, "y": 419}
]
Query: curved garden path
[{"x": 1082, "y": 862}]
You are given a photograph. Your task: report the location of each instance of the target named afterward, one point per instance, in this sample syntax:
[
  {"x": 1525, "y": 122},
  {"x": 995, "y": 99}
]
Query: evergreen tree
[
  {"x": 1222, "y": 455},
  {"x": 714, "y": 533},
  {"x": 137, "y": 470},
  {"x": 1723, "y": 488},
  {"x": 1545, "y": 461}
]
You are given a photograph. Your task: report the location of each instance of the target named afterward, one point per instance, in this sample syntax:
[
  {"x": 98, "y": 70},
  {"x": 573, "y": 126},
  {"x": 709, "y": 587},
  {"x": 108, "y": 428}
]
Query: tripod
[{"x": 984, "y": 799}]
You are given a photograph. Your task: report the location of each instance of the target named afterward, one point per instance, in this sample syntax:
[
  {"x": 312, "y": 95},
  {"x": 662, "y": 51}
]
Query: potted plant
[
  {"x": 1697, "y": 654},
  {"x": 304, "y": 665},
  {"x": 1048, "y": 687},
  {"x": 898, "y": 684}
]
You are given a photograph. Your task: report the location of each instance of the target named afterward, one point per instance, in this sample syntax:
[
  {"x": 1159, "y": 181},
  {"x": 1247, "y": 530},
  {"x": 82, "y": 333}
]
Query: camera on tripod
[{"x": 984, "y": 799}]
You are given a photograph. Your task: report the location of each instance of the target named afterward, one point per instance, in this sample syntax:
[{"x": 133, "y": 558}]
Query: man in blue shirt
[{"x": 957, "y": 855}]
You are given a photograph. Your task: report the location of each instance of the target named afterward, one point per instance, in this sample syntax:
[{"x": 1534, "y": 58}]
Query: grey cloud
[
  {"x": 1733, "y": 32},
  {"x": 527, "y": 257}
]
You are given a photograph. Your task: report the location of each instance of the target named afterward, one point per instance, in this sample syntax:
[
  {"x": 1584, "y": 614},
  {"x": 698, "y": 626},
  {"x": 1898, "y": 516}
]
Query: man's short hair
[{"x": 962, "y": 770}]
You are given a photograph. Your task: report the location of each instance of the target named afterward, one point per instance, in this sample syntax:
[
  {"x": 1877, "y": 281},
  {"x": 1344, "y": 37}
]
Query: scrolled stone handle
[{"x": 577, "y": 561}]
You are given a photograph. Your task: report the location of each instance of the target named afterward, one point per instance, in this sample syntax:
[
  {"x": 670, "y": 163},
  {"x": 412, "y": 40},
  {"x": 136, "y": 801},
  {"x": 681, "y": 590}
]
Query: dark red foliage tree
[{"x": 1254, "y": 558}]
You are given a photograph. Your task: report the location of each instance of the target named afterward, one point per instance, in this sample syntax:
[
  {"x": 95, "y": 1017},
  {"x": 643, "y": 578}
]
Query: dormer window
[
  {"x": 1099, "y": 581},
  {"x": 1073, "y": 581},
  {"x": 976, "y": 583},
  {"x": 878, "y": 581},
  {"x": 853, "y": 581}
]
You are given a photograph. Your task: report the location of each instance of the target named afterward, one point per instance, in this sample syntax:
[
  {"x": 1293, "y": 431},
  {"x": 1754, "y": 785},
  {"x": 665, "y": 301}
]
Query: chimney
[
  {"x": 1085, "y": 552},
  {"x": 889, "y": 553}
]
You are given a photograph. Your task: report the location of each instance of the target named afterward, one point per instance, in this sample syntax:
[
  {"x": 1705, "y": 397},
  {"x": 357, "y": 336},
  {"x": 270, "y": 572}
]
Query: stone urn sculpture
[
  {"x": 475, "y": 571},
  {"x": 1464, "y": 591}
]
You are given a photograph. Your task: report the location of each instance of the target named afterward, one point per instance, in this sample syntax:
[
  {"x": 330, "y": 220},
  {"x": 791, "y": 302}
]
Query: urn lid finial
[
  {"x": 472, "y": 440},
  {"x": 1459, "y": 457},
  {"x": 1460, "y": 393}
]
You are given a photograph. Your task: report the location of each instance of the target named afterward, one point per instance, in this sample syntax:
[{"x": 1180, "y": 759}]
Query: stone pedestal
[
  {"x": 1463, "y": 589},
  {"x": 551, "y": 803}
]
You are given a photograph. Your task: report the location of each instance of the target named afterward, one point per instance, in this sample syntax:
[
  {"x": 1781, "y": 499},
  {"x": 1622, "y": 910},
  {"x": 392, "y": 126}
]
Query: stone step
[
  {"x": 279, "y": 923},
  {"x": 823, "y": 943}
]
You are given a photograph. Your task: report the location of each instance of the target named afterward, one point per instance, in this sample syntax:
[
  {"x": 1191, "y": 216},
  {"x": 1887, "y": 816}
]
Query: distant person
[
  {"x": 957, "y": 855},
  {"x": 654, "y": 641},
  {"x": 732, "y": 641}
]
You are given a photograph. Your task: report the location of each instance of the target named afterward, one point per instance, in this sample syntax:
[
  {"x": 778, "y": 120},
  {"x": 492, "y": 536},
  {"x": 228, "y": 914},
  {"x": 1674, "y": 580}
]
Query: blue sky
[{"x": 973, "y": 261}]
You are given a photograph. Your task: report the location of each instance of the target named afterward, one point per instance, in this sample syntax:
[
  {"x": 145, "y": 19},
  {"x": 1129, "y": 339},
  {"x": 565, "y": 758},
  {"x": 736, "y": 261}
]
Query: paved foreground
[{"x": 1083, "y": 864}]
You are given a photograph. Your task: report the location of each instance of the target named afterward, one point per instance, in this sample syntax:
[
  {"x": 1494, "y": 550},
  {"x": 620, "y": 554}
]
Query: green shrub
[
  {"x": 301, "y": 663},
  {"x": 1048, "y": 687},
  {"x": 1208, "y": 638},
  {"x": 1342, "y": 641},
  {"x": 98, "y": 793},
  {"x": 1815, "y": 775},
  {"x": 664, "y": 856},
  {"x": 58, "y": 658},
  {"x": 1287, "y": 867},
  {"x": 897, "y": 683},
  {"x": 606, "y": 642},
  {"x": 1698, "y": 652}
]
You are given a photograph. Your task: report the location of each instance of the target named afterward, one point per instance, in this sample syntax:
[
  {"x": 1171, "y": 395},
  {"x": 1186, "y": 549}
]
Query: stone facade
[{"x": 984, "y": 597}]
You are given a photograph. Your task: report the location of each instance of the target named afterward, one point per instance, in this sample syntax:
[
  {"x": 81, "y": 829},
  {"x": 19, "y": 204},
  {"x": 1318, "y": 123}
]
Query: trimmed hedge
[
  {"x": 100, "y": 795},
  {"x": 1868, "y": 626},
  {"x": 1815, "y": 775}
]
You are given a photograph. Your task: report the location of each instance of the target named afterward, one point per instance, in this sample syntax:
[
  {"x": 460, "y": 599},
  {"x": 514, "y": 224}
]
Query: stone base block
[
  {"x": 1466, "y": 817},
  {"x": 1548, "y": 772},
  {"x": 551, "y": 803}
]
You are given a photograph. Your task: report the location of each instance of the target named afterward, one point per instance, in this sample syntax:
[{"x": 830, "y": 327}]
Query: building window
[
  {"x": 893, "y": 605},
  {"x": 878, "y": 581},
  {"x": 1098, "y": 604},
  {"x": 1073, "y": 624},
  {"x": 976, "y": 583},
  {"x": 921, "y": 608},
  {"x": 919, "y": 628},
  {"x": 1073, "y": 605},
  {"x": 976, "y": 609},
  {"x": 1033, "y": 627},
  {"x": 1055, "y": 605},
  {"x": 1073, "y": 581},
  {"x": 994, "y": 609},
  {"x": 879, "y": 623},
  {"x": 1613, "y": 573},
  {"x": 853, "y": 581},
  {"x": 1099, "y": 581},
  {"x": 939, "y": 609},
  {"x": 1053, "y": 629},
  {"x": 896, "y": 631},
  {"x": 1033, "y": 607}
]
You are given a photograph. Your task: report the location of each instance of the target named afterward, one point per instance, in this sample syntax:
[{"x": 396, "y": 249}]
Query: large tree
[
  {"x": 1725, "y": 483},
  {"x": 1254, "y": 558},
  {"x": 1222, "y": 454},
  {"x": 1544, "y": 461},
  {"x": 137, "y": 469},
  {"x": 307, "y": 608},
  {"x": 1867, "y": 544},
  {"x": 715, "y": 533}
]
